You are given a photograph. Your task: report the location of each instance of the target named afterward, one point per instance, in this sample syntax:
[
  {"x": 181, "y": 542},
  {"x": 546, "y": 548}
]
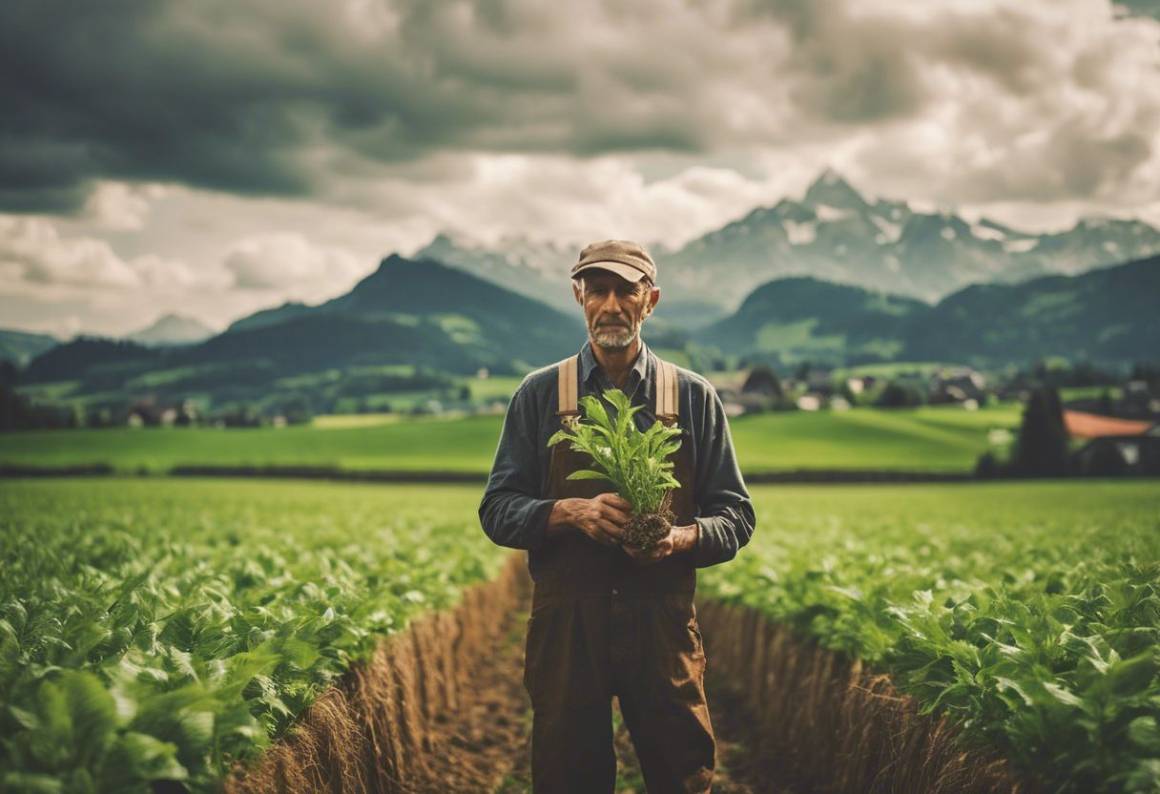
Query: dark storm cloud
[
  {"x": 290, "y": 97},
  {"x": 219, "y": 96}
]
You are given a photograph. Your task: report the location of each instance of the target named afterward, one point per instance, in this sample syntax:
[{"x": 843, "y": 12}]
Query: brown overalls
[{"x": 602, "y": 625}]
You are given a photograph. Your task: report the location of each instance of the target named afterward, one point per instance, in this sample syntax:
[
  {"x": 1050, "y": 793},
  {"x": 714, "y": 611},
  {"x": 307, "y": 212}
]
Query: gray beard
[{"x": 614, "y": 338}]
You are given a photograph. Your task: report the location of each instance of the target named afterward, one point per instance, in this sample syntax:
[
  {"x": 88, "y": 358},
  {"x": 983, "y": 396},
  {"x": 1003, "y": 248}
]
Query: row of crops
[
  {"x": 1028, "y": 612},
  {"x": 161, "y": 630}
]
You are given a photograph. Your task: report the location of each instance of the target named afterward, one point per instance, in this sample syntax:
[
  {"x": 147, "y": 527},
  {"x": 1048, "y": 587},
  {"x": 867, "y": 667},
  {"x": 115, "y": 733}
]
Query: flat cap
[{"x": 625, "y": 258}]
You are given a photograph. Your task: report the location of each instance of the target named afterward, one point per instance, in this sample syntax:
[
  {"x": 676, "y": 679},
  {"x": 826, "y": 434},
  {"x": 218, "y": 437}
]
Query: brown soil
[
  {"x": 442, "y": 708},
  {"x": 821, "y": 722},
  {"x": 644, "y": 530},
  {"x": 735, "y": 770},
  {"x": 437, "y": 708}
]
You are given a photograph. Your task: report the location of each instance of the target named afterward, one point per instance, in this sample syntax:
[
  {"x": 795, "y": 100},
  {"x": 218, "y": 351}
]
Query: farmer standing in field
[{"x": 610, "y": 620}]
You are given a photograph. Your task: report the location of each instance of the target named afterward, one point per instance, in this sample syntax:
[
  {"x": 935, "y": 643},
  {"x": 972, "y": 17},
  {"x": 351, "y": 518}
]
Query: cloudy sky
[{"x": 216, "y": 157}]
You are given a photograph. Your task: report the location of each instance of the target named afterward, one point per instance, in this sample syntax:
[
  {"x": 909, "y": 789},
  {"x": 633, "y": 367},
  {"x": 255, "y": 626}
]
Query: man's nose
[{"x": 611, "y": 304}]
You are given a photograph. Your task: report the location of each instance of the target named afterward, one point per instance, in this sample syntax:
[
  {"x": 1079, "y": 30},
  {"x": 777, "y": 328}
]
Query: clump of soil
[{"x": 644, "y": 530}]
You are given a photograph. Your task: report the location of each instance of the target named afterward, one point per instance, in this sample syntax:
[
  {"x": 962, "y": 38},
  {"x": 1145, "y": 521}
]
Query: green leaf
[
  {"x": 1144, "y": 732},
  {"x": 138, "y": 758},
  {"x": 1061, "y": 694},
  {"x": 1133, "y": 675},
  {"x": 92, "y": 713},
  {"x": 587, "y": 474},
  {"x": 31, "y": 783}
]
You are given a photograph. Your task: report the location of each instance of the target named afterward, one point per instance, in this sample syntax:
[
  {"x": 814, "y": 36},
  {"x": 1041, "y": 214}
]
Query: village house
[{"x": 1115, "y": 446}]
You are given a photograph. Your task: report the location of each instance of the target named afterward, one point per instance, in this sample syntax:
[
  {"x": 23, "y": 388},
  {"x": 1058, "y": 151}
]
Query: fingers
[
  {"x": 608, "y": 540},
  {"x": 618, "y": 517},
  {"x": 657, "y": 553},
  {"x": 620, "y": 503},
  {"x": 615, "y": 500},
  {"x": 612, "y": 530},
  {"x": 603, "y": 532}
]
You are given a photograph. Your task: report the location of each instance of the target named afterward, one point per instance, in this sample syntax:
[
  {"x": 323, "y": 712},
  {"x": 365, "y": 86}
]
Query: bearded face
[{"x": 614, "y": 309}]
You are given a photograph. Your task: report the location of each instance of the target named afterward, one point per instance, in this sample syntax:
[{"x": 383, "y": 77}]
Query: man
[{"x": 610, "y": 620}]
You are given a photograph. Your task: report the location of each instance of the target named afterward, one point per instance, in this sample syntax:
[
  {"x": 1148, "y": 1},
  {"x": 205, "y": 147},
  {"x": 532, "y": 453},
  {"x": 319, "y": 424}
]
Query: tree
[{"x": 1041, "y": 449}]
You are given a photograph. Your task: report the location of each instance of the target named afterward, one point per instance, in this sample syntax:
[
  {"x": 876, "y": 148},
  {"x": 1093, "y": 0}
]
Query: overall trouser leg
[
  {"x": 567, "y": 678},
  {"x": 664, "y": 705}
]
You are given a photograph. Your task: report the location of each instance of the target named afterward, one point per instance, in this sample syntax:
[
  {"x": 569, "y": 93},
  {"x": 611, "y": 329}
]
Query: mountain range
[
  {"x": 832, "y": 233},
  {"x": 1107, "y": 316},
  {"x": 414, "y": 323},
  {"x": 413, "y": 315}
]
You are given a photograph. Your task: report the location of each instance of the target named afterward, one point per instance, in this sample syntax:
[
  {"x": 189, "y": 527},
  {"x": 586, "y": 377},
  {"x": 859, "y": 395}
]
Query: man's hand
[
  {"x": 678, "y": 540},
  {"x": 601, "y": 518}
]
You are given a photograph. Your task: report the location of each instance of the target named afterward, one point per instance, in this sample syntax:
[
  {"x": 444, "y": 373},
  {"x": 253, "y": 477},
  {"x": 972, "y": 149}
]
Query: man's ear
[
  {"x": 576, "y": 292},
  {"x": 653, "y": 298}
]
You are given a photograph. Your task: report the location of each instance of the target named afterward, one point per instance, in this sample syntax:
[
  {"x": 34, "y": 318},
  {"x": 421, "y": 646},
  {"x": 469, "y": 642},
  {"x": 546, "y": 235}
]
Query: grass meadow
[{"x": 930, "y": 438}]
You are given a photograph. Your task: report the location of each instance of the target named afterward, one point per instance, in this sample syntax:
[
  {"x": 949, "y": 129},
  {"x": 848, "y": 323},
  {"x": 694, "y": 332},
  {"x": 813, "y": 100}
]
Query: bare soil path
[{"x": 486, "y": 747}]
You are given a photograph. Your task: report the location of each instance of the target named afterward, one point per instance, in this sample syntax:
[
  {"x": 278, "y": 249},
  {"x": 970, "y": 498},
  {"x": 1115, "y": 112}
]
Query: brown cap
[{"x": 625, "y": 258}]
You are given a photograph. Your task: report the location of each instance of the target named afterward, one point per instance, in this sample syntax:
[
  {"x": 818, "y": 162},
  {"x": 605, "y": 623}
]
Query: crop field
[
  {"x": 1029, "y": 612},
  {"x": 159, "y": 629},
  {"x": 931, "y": 438}
]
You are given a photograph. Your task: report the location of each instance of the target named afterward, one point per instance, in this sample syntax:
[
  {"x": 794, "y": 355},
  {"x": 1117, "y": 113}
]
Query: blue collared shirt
[{"x": 515, "y": 508}]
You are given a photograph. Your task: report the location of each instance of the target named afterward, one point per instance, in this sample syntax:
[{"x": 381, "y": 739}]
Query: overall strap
[
  {"x": 667, "y": 408},
  {"x": 665, "y": 394},
  {"x": 566, "y": 372}
]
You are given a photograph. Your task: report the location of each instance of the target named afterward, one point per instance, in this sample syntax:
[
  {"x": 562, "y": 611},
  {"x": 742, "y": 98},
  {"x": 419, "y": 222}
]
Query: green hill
[
  {"x": 419, "y": 316},
  {"x": 1108, "y": 316},
  {"x": 798, "y": 318},
  {"x": 20, "y": 346}
]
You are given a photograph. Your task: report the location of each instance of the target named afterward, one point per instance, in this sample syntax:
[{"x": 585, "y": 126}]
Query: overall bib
[{"x": 603, "y": 625}]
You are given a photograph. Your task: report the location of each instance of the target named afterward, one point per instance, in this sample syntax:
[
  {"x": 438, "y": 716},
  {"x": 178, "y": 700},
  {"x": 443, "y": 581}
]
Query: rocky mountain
[
  {"x": 172, "y": 329},
  {"x": 540, "y": 271},
  {"x": 1106, "y": 316},
  {"x": 20, "y": 347},
  {"x": 536, "y": 270},
  {"x": 834, "y": 233}
]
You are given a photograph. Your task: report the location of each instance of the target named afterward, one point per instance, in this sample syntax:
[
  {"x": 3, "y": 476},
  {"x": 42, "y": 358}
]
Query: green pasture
[{"x": 930, "y": 438}]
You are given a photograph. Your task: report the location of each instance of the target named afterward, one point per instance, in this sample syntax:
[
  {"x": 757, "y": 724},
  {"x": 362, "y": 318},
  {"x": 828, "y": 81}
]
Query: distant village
[{"x": 1117, "y": 421}]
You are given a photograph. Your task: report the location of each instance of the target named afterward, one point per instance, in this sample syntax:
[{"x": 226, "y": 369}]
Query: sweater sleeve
[
  {"x": 725, "y": 511},
  {"x": 511, "y": 512}
]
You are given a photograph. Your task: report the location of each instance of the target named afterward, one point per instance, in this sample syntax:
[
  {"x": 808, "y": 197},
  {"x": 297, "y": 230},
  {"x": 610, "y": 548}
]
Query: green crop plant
[
  {"x": 163, "y": 630},
  {"x": 635, "y": 462},
  {"x": 1027, "y": 614}
]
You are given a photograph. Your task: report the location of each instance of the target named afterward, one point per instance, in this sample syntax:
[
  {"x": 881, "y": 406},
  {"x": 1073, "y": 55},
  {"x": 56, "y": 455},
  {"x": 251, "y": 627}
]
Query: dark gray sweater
[{"x": 514, "y": 510}]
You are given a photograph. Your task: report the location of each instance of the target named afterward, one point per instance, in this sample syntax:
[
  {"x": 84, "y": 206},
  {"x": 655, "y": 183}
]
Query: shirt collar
[{"x": 638, "y": 373}]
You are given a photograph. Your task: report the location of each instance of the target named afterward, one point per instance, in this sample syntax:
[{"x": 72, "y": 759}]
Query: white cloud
[
  {"x": 292, "y": 265},
  {"x": 121, "y": 205},
  {"x": 32, "y": 250},
  {"x": 658, "y": 120}
]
